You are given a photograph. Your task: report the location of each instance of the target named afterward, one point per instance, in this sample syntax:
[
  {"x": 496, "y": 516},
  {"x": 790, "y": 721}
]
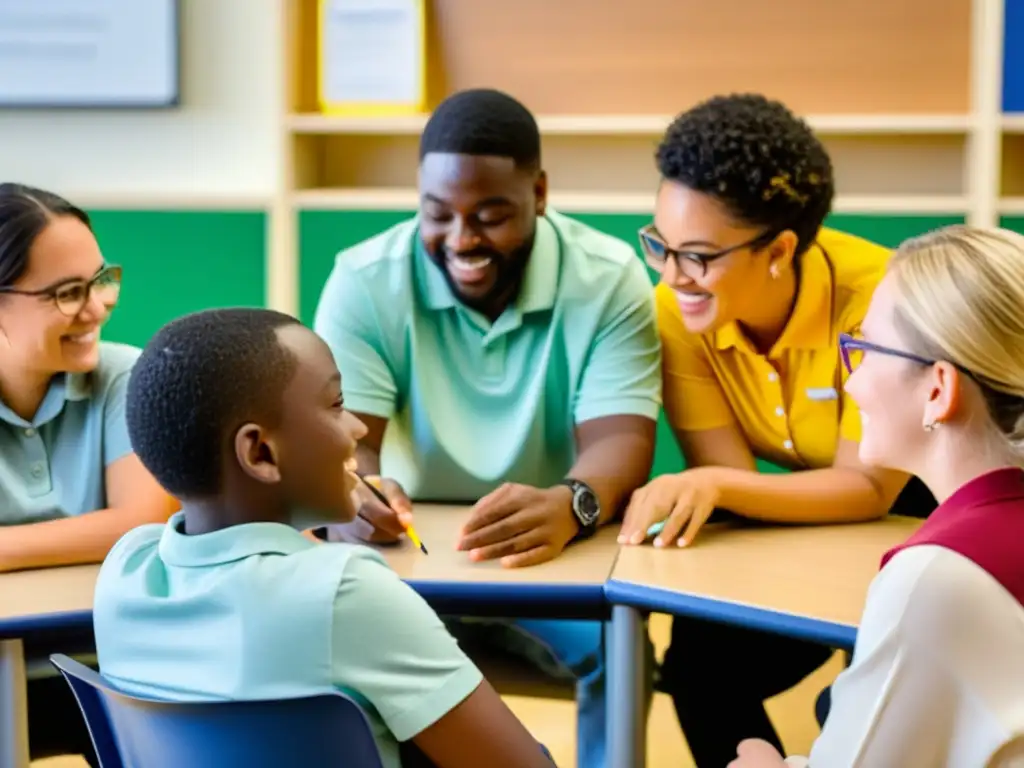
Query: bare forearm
[
  {"x": 68, "y": 541},
  {"x": 614, "y": 468},
  {"x": 833, "y": 495}
]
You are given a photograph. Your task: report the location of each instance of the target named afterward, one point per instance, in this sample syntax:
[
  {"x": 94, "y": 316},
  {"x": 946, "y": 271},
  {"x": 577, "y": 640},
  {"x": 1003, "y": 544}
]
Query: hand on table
[
  {"x": 755, "y": 753},
  {"x": 374, "y": 522},
  {"x": 685, "y": 501},
  {"x": 519, "y": 524}
]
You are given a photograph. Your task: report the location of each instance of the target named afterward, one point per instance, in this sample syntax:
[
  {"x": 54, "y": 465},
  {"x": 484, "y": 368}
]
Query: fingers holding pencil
[{"x": 390, "y": 495}]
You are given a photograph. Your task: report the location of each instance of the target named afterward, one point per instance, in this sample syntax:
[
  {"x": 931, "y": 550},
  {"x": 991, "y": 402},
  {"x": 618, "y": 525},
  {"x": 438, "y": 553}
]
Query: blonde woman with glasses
[
  {"x": 937, "y": 679},
  {"x": 70, "y": 485}
]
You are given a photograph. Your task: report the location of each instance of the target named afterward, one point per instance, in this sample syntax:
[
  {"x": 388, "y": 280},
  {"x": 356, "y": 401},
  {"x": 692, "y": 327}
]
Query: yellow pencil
[
  {"x": 414, "y": 537},
  {"x": 409, "y": 530}
]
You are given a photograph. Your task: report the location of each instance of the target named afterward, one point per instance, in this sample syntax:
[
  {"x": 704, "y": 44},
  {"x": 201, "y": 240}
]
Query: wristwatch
[{"x": 585, "y": 506}]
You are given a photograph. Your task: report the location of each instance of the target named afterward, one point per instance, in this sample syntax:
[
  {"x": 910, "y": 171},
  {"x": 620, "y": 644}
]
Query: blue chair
[{"x": 131, "y": 732}]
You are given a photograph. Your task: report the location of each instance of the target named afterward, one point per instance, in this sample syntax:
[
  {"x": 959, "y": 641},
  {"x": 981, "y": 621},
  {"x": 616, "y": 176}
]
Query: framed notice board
[
  {"x": 372, "y": 57},
  {"x": 90, "y": 53}
]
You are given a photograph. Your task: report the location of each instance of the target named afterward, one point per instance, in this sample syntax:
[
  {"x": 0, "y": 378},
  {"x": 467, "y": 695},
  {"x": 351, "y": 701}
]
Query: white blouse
[{"x": 937, "y": 679}]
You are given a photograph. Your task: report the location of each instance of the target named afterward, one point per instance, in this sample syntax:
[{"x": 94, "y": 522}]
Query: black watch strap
[{"x": 586, "y": 507}]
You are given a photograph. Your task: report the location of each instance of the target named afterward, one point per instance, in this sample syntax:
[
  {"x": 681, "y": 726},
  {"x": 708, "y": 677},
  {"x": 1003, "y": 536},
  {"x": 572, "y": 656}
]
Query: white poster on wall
[
  {"x": 89, "y": 53},
  {"x": 372, "y": 52}
]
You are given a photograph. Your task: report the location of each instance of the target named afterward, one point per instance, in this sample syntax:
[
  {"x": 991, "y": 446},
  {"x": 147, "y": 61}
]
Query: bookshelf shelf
[
  {"x": 1013, "y": 123},
  {"x": 633, "y": 125},
  {"x": 1013, "y": 206},
  {"x": 907, "y": 101},
  {"x": 406, "y": 199}
]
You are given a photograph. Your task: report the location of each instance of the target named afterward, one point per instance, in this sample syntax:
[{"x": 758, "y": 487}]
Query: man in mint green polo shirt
[{"x": 511, "y": 356}]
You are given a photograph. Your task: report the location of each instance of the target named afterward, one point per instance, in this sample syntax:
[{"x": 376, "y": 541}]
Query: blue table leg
[
  {"x": 627, "y": 711},
  {"x": 13, "y": 708}
]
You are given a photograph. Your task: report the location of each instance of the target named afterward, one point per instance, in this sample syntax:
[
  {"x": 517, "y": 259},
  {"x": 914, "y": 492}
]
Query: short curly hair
[
  {"x": 753, "y": 155},
  {"x": 483, "y": 121},
  {"x": 200, "y": 378}
]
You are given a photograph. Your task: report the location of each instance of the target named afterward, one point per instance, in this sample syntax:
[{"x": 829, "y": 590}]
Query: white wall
[{"x": 222, "y": 142}]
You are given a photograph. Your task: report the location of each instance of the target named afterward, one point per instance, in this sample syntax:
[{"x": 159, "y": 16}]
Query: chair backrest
[{"x": 132, "y": 732}]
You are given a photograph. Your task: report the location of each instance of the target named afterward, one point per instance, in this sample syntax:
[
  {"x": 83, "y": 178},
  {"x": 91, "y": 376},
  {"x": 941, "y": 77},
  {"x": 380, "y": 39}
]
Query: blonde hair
[{"x": 961, "y": 300}]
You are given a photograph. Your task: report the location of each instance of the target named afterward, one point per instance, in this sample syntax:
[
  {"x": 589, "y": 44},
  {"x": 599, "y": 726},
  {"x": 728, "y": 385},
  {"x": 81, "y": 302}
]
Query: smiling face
[
  {"x": 478, "y": 218},
  {"x": 39, "y": 334},
  {"x": 891, "y": 391},
  {"x": 316, "y": 438},
  {"x": 726, "y": 287}
]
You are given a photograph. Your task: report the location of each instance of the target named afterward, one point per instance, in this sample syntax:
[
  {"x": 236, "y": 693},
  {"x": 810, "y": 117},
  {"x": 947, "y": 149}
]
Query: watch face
[{"x": 586, "y": 506}]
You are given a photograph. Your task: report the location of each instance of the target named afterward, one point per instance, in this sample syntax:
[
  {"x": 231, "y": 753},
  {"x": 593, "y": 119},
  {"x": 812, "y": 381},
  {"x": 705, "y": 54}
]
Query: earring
[
  {"x": 773, "y": 270},
  {"x": 931, "y": 426}
]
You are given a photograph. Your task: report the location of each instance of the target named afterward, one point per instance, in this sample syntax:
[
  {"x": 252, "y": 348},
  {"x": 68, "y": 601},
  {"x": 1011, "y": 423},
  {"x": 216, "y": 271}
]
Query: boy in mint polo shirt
[
  {"x": 239, "y": 413},
  {"x": 511, "y": 356}
]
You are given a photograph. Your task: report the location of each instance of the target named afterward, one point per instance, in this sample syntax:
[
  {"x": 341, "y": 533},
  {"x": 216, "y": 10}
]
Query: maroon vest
[{"x": 984, "y": 522}]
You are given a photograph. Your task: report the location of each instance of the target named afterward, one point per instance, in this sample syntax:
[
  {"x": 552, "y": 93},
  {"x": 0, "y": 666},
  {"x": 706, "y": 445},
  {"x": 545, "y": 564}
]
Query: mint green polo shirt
[
  {"x": 258, "y": 611},
  {"x": 54, "y": 465},
  {"x": 473, "y": 404}
]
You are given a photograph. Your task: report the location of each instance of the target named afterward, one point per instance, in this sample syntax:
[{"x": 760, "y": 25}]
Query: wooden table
[
  {"x": 571, "y": 586},
  {"x": 33, "y": 601},
  {"x": 803, "y": 582}
]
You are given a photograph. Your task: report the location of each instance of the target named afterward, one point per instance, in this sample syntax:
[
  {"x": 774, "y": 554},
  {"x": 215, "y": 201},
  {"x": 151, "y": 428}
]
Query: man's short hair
[
  {"x": 483, "y": 122},
  {"x": 199, "y": 379}
]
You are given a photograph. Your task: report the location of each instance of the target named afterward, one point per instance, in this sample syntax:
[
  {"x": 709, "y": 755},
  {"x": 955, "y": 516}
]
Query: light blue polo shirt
[
  {"x": 53, "y": 466},
  {"x": 259, "y": 611},
  {"x": 473, "y": 404}
]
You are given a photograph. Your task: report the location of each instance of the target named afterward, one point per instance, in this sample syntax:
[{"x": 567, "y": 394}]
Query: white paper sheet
[{"x": 372, "y": 52}]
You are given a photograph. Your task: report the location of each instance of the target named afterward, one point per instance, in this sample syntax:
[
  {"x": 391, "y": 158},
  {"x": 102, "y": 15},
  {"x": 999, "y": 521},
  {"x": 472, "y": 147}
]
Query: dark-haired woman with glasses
[
  {"x": 70, "y": 485},
  {"x": 754, "y": 293}
]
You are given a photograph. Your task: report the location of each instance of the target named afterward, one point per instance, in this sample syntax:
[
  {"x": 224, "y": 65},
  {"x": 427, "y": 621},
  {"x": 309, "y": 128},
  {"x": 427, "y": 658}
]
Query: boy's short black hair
[
  {"x": 764, "y": 164},
  {"x": 198, "y": 380},
  {"x": 483, "y": 122}
]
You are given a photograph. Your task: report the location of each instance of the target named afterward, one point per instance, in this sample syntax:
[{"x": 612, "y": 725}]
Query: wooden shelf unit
[
  {"x": 906, "y": 96},
  {"x": 316, "y": 124}
]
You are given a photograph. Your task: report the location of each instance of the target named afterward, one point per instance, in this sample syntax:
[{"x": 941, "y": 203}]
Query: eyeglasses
[
  {"x": 692, "y": 264},
  {"x": 71, "y": 296},
  {"x": 852, "y": 351}
]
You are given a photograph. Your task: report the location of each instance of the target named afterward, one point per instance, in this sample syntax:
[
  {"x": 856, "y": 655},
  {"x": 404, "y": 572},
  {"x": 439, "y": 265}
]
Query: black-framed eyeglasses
[
  {"x": 71, "y": 296},
  {"x": 852, "y": 351},
  {"x": 691, "y": 263}
]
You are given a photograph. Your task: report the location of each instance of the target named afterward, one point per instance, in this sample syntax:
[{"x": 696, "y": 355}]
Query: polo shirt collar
[
  {"x": 540, "y": 282},
  {"x": 810, "y": 324},
  {"x": 228, "y": 544},
  {"x": 64, "y": 387}
]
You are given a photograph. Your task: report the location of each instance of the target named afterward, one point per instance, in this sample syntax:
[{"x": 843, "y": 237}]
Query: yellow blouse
[{"x": 790, "y": 403}]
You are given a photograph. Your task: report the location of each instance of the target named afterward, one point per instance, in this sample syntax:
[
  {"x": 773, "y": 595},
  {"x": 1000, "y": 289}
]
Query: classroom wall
[
  {"x": 223, "y": 140},
  {"x": 178, "y": 196},
  {"x": 181, "y": 197}
]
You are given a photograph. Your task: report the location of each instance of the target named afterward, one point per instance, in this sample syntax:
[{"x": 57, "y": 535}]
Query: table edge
[
  {"x": 547, "y": 596},
  {"x": 498, "y": 592},
  {"x": 634, "y": 595},
  {"x": 19, "y": 626}
]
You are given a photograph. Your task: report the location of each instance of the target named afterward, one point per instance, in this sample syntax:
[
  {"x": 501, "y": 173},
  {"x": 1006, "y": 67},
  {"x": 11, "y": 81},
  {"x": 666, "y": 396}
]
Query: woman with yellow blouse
[{"x": 753, "y": 296}]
